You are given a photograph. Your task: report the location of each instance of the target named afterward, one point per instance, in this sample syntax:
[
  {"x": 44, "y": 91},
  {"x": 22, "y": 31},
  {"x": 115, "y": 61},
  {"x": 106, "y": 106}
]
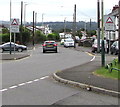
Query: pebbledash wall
[{"x": 0, "y": 71}]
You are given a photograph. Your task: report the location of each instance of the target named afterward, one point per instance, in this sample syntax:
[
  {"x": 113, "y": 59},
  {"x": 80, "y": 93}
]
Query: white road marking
[
  {"x": 13, "y": 87},
  {"x": 22, "y": 84},
  {"x": 92, "y": 58},
  {"x": 3, "y": 90},
  {"x": 36, "y": 80},
  {"x": 29, "y": 82},
  {"x": 44, "y": 77}
]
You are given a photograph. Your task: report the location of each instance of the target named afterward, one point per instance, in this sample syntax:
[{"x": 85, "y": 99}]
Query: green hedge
[{"x": 5, "y": 37}]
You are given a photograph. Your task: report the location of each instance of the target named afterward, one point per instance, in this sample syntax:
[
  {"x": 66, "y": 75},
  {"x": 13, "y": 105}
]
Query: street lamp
[{"x": 25, "y": 14}]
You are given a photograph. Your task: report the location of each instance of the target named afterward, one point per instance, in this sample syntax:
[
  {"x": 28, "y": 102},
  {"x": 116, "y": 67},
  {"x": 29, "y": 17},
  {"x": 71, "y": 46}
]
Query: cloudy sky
[{"x": 54, "y": 10}]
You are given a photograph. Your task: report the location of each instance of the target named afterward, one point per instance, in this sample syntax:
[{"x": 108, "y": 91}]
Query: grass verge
[{"x": 115, "y": 74}]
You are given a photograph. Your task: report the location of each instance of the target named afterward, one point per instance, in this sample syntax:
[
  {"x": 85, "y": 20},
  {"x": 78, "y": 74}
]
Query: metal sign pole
[
  {"x": 109, "y": 41},
  {"x": 14, "y": 43}
]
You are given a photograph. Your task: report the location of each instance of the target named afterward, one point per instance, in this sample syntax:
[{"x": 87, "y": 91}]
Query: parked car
[
  {"x": 49, "y": 46},
  {"x": 62, "y": 42},
  {"x": 94, "y": 46},
  {"x": 114, "y": 48},
  {"x": 6, "y": 47},
  {"x": 69, "y": 43},
  {"x": 77, "y": 39}
]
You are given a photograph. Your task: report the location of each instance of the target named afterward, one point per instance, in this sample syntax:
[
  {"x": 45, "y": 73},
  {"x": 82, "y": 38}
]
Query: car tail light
[
  {"x": 55, "y": 44},
  {"x": 44, "y": 45}
]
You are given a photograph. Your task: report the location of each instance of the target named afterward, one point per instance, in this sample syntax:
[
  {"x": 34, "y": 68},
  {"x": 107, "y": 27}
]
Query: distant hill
[
  {"x": 57, "y": 26},
  {"x": 69, "y": 25}
]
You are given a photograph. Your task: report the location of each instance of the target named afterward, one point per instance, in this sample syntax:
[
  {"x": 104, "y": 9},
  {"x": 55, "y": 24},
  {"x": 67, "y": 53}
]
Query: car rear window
[{"x": 49, "y": 42}]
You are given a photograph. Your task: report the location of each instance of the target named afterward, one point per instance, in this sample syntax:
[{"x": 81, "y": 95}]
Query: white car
[
  {"x": 62, "y": 42},
  {"x": 94, "y": 46},
  {"x": 69, "y": 43}
]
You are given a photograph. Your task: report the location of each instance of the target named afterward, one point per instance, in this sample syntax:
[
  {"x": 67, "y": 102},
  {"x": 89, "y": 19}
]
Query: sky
[{"x": 54, "y": 10}]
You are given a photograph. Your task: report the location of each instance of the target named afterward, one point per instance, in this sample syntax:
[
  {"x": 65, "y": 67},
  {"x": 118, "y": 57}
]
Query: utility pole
[
  {"x": 33, "y": 25},
  {"x": 90, "y": 27},
  {"x": 10, "y": 26},
  {"x": 35, "y": 21},
  {"x": 119, "y": 35},
  {"x": 74, "y": 25},
  {"x": 21, "y": 22},
  {"x": 98, "y": 24},
  {"x": 25, "y": 14},
  {"x": 103, "y": 46},
  {"x": 64, "y": 28},
  {"x": 42, "y": 22}
]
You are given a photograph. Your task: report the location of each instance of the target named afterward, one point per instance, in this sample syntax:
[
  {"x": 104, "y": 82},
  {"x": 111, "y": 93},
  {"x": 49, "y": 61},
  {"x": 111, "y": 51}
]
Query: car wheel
[
  {"x": 56, "y": 51},
  {"x": 1, "y": 50},
  {"x": 116, "y": 53},
  {"x": 93, "y": 51},
  {"x": 111, "y": 52},
  {"x": 43, "y": 51},
  {"x": 20, "y": 49}
]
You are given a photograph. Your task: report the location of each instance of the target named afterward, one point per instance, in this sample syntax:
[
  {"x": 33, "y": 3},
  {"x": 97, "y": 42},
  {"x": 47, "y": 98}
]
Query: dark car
[
  {"x": 114, "y": 48},
  {"x": 49, "y": 46},
  {"x": 14, "y": 46}
]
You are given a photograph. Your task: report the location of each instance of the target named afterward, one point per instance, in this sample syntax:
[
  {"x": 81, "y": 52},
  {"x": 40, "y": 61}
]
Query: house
[{"x": 113, "y": 35}]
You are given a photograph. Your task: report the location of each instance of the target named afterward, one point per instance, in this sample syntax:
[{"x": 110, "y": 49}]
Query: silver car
[{"x": 49, "y": 46}]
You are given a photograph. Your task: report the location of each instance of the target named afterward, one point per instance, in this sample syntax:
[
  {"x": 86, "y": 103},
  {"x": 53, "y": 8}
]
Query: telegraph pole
[
  {"x": 103, "y": 46},
  {"x": 64, "y": 28},
  {"x": 74, "y": 25},
  {"x": 10, "y": 26},
  {"x": 21, "y": 22},
  {"x": 98, "y": 24},
  {"x": 119, "y": 35},
  {"x": 33, "y": 25},
  {"x": 90, "y": 27}
]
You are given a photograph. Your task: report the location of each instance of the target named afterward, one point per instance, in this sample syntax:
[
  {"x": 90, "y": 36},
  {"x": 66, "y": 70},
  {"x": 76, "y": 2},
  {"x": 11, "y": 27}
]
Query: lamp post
[
  {"x": 25, "y": 14},
  {"x": 103, "y": 48}
]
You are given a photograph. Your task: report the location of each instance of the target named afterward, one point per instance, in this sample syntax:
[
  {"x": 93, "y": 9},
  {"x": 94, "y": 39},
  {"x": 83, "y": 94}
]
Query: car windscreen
[{"x": 69, "y": 40}]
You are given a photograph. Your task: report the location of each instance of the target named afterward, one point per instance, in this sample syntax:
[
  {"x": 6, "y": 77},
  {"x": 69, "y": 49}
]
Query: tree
[
  {"x": 39, "y": 37},
  {"x": 5, "y": 30},
  {"x": 53, "y": 36}
]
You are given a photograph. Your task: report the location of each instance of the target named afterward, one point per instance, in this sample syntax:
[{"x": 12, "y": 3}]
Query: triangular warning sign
[
  {"x": 14, "y": 22},
  {"x": 109, "y": 20}
]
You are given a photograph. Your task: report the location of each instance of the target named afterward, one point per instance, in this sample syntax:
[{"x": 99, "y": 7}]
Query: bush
[
  {"x": 53, "y": 36},
  {"x": 5, "y": 37},
  {"x": 39, "y": 37}
]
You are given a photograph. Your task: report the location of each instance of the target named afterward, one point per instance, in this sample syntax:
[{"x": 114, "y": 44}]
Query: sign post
[
  {"x": 109, "y": 22},
  {"x": 14, "y": 27}
]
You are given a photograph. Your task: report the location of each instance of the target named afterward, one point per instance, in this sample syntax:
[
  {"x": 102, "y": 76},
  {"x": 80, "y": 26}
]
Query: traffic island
[
  {"x": 7, "y": 56},
  {"x": 82, "y": 77}
]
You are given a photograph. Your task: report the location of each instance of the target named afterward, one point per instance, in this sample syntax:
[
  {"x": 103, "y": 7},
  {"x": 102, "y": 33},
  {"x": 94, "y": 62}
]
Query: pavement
[
  {"x": 17, "y": 56},
  {"x": 81, "y": 76}
]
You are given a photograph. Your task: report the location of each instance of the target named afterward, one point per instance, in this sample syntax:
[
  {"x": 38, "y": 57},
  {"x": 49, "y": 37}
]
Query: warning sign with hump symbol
[
  {"x": 109, "y": 20},
  {"x": 14, "y": 22},
  {"x": 109, "y": 23},
  {"x": 14, "y": 25}
]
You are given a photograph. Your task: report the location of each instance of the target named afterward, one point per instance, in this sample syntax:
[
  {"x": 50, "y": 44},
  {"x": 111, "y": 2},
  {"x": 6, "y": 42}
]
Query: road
[{"x": 29, "y": 82}]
